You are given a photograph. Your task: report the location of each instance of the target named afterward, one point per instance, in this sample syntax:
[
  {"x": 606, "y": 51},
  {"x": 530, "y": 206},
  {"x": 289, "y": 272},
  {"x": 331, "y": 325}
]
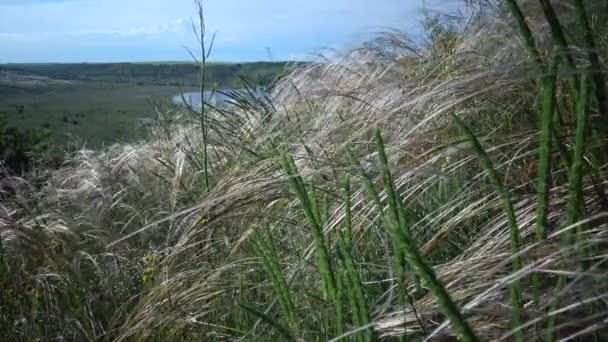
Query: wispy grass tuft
[{"x": 370, "y": 238}]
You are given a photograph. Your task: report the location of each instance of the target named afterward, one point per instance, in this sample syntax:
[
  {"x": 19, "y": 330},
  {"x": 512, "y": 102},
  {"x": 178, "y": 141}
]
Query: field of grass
[
  {"x": 451, "y": 190},
  {"x": 94, "y": 112},
  {"x": 106, "y": 103}
]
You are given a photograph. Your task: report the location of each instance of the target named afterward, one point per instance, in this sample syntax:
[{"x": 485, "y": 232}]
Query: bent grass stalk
[
  {"x": 406, "y": 244},
  {"x": 398, "y": 262},
  {"x": 533, "y": 51},
  {"x": 330, "y": 288},
  {"x": 598, "y": 76},
  {"x": 516, "y": 291},
  {"x": 575, "y": 200}
]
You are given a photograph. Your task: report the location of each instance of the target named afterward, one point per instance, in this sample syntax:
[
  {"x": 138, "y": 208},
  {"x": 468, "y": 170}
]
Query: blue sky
[{"x": 156, "y": 30}]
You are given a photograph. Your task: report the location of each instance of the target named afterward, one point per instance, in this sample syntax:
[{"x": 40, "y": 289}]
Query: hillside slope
[{"x": 453, "y": 189}]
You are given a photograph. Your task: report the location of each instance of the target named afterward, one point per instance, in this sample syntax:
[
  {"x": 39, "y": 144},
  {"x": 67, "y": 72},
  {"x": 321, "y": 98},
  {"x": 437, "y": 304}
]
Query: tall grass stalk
[
  {"x": 398, "y": 217},
  {"x": 354, "y": 288},
  {"x": 549, "y": 81},
  {"x": 405, "y": 243},
  {"x": 516, "y": 290},
  {"x": 398, "y": 261},
  {"x": 534, "y": 52},
  {"x": 348, "y": 212},
  {"x": 575, "y": 193},
  {"x": 263, "y": 245},
  {"x": 543, "y": 185},
  {"x": 575, "y": 202},
  {"x": 559, "y": 39},
  {"x": 201, "y": 36},
  {"x": 527, "y": 35},
  {"x": 596, "y": 67},
  {"x": 328, "y": 277},
  {"x": 599, "y": 83}
]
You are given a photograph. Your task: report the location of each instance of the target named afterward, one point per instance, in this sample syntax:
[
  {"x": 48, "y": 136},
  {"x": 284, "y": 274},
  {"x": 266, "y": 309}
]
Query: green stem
[
  {"x": 596, "y": 67},
  {"x": 330, "y": 289},
  {"x": 516, "y": 291},
  {"x": 545, "y": 148},
  {"x": 407, "y": 244},
  {"x": 526, "y": 33},
  {"x": 575, "y": 186}
]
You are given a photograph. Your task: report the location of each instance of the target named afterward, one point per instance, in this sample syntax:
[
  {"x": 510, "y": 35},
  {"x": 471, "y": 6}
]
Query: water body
[{"x": 194, "y": 98}]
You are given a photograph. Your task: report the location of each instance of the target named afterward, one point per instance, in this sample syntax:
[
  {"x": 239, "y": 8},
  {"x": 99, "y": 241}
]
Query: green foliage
[
  {"x": 265, "y": 250},
  {"x": 102, "y": 104},
  {"x": 367, "y": 238},
  {"x": 20, "y": 149},
  {"x": 223, "y": 75},
  {"x": 516, "y": 291}
]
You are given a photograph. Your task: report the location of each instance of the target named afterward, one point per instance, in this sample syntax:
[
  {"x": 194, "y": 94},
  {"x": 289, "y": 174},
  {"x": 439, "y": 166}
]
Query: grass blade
[
  {"x": 545, "y": 148},
  {"x": 441, "y": 295},
  {"x": 328, "y": 277},
  {"x": 526, "y": 33},
  {"x": 263, "y": 246},
  {"x": 516, "y": 291}
]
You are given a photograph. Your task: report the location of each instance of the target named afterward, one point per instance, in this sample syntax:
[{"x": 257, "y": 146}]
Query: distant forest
[{"x": 163, "y": 73}]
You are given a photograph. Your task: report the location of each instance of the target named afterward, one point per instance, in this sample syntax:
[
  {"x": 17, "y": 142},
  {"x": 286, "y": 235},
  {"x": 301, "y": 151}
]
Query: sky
[{"x": 38, "y": 31}]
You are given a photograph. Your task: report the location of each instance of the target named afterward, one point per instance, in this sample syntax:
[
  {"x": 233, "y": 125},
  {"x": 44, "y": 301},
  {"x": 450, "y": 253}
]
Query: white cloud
[{"x": 173, "y": 26}]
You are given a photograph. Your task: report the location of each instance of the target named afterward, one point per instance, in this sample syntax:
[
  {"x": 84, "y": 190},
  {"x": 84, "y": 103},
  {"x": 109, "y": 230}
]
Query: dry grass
[{"x": 183, "y": 258}]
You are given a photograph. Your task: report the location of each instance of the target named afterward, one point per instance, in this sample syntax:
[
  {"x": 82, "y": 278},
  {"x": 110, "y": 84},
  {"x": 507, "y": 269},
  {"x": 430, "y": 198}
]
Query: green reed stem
[
  {"x": 526, "y": 33},
  {"x": 348, "y": 212},
  {"x": 598, "y": 76},
  {"x": 398, "y": 262},
  {"x": 330, "y": 290},
  {"x": 516, "y": 290},
  {"x": 559, "y": 38},
  {"x": 577, "y": 171},
  {"x": 534, "y": 52},
  {"x": 264, "y": 249},
  {"x": 407, "y": 245},
  {"x": 549, "y": 81},
  {"x": 354, "y": 288}
]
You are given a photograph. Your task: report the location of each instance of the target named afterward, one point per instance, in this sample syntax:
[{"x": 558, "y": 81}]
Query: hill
[{"x": 450, "y": 190}]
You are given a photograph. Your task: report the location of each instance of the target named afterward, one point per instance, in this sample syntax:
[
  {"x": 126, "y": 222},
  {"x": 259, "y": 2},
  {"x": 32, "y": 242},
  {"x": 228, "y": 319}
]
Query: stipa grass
[{"x": 418, "y": 246}]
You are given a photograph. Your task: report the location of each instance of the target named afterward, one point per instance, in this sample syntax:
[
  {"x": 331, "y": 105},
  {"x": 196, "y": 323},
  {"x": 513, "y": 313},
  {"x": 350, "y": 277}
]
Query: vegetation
[
  {"x": 97, "y": 104},
  {"x": 220, "y": 75},
  {"x": 20, "y": 149},
  {"x": 450, "y": 189}
]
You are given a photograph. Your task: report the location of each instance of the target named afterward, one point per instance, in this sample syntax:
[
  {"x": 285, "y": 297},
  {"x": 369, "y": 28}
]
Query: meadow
[
  {"x": 447, "y": 189},
  {"x": 100, "y": 104}
]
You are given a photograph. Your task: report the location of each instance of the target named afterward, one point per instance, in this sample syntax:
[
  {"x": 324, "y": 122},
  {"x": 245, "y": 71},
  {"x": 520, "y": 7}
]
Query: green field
[
  {"x": 456, "y": 191},
  {"x": 105, "y": 103}
]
